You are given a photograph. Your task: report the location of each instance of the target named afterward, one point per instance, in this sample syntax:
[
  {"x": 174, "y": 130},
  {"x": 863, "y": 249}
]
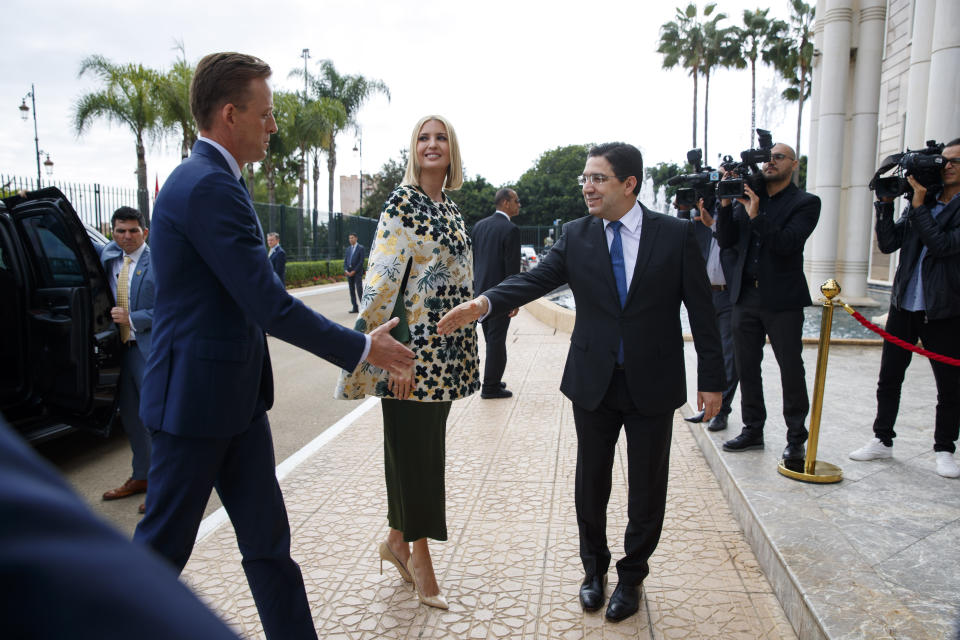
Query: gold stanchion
[{"x": 816, "y": 470}]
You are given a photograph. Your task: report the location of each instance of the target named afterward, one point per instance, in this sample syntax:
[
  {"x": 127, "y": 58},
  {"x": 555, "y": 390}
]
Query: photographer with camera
[
  {"x": 768, "y": 290},
  {"x": 718, "y": 262},
  {"x": 925, "y": 299}
]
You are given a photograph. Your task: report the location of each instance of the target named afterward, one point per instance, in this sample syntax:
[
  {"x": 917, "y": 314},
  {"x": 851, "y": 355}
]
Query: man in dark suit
[
  {"x": 496, "y": 255},
  {"x": 769, "y": 292},
  {"x": 126, "y": 261},
  {"x": 209, "y": 382},
  {"x": 629, "y": 270},
  {"x": 719, "y": 262},
  {"x": 353, "y": 267},
  {"x": 278, "y": 257},
  {"x": 64, "y": 573}
]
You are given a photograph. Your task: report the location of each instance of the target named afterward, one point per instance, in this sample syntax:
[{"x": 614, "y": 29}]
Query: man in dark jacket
[
  {"x": 496, "y": 255},
  {"x": 278, "y": 257},
  {"x": 769, "y": 291},
  {"x": 924, "y": 305}
]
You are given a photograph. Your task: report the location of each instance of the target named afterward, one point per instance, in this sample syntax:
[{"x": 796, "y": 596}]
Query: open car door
[{"x": 72, "y": 346}]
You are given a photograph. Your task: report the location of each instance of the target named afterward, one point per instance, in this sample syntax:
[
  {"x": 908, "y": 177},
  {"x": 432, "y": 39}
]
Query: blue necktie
[{"x": 619, "y": 272}]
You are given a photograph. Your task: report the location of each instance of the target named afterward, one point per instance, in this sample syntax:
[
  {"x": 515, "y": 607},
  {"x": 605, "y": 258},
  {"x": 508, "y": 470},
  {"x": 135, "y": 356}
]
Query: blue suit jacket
[
  {"x": 141, "y": 294},
  {"x": 209, "y": 372},
  {"x": 278, "y": 259}
]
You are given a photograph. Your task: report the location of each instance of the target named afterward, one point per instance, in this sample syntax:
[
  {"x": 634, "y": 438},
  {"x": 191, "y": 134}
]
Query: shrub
[{"x": 305, "y": 274}]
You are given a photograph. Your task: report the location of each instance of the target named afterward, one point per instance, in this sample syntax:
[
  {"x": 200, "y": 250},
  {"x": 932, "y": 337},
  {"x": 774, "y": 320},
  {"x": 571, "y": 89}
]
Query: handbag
[{"x": 401, "y": 332}]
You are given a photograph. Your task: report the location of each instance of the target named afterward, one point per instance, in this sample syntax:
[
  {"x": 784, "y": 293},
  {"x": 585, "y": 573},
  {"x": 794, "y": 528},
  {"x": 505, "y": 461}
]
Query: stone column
[
  {"x": 813, "y": 108},
  {"x": 919, "y": 76},
  {"x": 858, "y": 221},
  {"x": 943, "y": 99},
  {"x": 821, "y": 249}
]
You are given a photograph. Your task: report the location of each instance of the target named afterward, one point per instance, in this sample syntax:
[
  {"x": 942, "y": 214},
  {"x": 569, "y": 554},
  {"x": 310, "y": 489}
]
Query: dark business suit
[
  {"x": 496, "y": 255},
  {"x": 64, "y": 573},
  {"x": 723, "y": 309},
  {"x": 772, "y": 303},
  {"x": 353, "y": 261},
  {"x": 141, "y": 294},
  {"x": 643, "y": 395},
  {"x": 278, "y": 259},
  {"x": 209, "y": 382}
]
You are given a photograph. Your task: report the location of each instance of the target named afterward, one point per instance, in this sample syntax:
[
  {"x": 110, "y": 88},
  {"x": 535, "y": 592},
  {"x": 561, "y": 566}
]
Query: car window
[{"x": 58, "y": 263}]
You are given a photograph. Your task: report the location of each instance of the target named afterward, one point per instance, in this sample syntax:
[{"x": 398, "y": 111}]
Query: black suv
[{"x": 59, "y": 349}]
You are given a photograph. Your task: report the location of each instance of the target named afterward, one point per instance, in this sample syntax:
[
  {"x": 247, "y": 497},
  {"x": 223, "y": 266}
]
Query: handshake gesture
[{"x": 463, "y": 314}]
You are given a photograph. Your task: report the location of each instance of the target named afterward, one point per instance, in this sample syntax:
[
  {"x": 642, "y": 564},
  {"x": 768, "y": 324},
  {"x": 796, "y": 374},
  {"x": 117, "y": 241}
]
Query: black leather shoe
[
  {"x": 743, "y": 442},
  {"x": 353, "y": 311},
  {"x": 498, "y": 393},
  {"x": 591, "y": 592},
  {"x": 503, "y": 385},
  {"x": 719, "y": 423},
  {"x": 697, "y": 417},
  {"x": 624, "y": 602},
  {"x": 794, "y": 457}
]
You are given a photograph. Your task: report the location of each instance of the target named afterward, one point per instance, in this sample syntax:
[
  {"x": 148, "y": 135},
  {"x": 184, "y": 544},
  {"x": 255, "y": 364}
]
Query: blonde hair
[{"x": 454, "y": 178}]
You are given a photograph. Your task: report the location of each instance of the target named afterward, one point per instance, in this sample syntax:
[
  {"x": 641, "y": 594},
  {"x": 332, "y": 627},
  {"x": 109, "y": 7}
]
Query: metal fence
[{"x": 94, "y": 203}]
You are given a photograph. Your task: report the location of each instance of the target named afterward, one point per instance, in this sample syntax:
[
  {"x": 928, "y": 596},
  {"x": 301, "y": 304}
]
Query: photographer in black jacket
[
  {"x": 924, "y": 305},
  {"x": 769, "y": 291}
]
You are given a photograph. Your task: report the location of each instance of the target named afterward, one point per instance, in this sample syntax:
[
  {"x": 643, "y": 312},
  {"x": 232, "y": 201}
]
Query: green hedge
[{"x": 305, "y": 274}]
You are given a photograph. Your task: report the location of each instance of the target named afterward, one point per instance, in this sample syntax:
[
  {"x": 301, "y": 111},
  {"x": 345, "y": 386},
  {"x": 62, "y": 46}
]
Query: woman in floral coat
[{"x": 421, "y": 237}]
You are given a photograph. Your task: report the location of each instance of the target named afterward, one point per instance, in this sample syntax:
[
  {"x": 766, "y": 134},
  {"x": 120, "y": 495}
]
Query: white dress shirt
[
  {"x": 116, "y": 266},
  {"x": 629, "y": 238},
  {"x": 714, "y": 270}
]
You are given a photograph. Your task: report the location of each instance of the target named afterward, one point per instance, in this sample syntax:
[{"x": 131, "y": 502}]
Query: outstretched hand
[
  {"x": 386, "y": 353},
  {"x": 461, "y": 315}
]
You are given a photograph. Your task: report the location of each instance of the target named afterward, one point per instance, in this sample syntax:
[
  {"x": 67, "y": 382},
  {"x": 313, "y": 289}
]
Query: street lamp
[
  {"x": 48, "y": 163},
  {"x": 359, "y": 149}
]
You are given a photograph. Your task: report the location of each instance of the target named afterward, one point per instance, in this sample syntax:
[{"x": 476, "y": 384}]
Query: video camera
[
  {"x": 924, "y": 165},
  {"x": 747, "y": 170},
  {"x": 693, "y": 186}
]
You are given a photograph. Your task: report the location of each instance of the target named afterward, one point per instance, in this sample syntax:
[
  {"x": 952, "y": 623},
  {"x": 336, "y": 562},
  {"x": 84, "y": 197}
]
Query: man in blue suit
[
  {"x": 353, "y": 267},
  {"x": 126, "y": 261},
  {"x": 278, "y": 257},
  {"x": 209, "y": 381}
]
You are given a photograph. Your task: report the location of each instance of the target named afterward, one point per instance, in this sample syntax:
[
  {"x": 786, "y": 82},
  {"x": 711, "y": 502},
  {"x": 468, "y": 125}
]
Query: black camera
[
  {"x": 747, "y": 171},
  {"x": 694, "y": 186},
  {"x": 924, "y": 165}
]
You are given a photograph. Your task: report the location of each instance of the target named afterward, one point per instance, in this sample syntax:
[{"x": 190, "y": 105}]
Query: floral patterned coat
[{"x": 432, "y": 236}]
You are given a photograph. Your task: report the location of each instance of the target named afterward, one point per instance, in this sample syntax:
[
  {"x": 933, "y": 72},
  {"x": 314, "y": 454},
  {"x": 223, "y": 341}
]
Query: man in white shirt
[{"x": 126, "y": 261}]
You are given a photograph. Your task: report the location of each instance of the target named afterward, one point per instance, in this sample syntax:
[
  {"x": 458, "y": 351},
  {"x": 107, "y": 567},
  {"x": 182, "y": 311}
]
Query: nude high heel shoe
[
  {"x": 437, "y": 601},
  {"x": 386, "y": 553}
]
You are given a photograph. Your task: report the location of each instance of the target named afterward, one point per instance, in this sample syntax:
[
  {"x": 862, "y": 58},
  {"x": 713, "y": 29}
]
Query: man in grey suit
[
  {"x": 496, "y": 255},
  {"x": 126, "y": 261},
  {"x": 629, "y": 269}
]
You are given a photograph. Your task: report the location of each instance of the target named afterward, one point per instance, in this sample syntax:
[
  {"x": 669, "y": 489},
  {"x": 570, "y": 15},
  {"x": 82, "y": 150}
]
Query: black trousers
[
  {"x": 724, "y": 312},
  {"x": 939, "y": 336},
  {"x": 648, "y": 458},
  {"x": 751, "y": 326},
  {"x": 495, "y": 334},
  {"x": 355, "y": 285}
]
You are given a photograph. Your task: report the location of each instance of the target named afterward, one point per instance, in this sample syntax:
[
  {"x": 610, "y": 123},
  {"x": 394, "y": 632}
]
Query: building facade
[{"x": 886, "y": 77}]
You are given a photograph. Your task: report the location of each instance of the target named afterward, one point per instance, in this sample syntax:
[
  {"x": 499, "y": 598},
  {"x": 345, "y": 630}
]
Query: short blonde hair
[{"x": 454, "y": 178}]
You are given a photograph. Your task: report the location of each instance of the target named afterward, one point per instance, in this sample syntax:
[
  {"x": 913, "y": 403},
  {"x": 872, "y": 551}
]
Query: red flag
[{"x": 156, "y": 189}]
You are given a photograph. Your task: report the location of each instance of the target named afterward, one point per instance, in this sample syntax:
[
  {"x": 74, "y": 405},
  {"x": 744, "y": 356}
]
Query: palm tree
[
  {"x": 352, "y": 91},
  {"x": 173, "y": 92},
  {"x": 721, "y": 48},
  {"x": 681, "y": 43},
  {"x": 128, "y": 97},
  {"x": 793, "y": 58},
  {"x": 759, "y": 37}
]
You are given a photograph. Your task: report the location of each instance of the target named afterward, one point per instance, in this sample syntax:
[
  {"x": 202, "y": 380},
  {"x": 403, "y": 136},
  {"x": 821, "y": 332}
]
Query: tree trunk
[
  {"x": 270, "y": 179},
  {"x": 695, "y": 71},
  {"x": 706, "y": 105},
  {"x": 316, "y": 181},
  {"x": 331, "y": 167},
  {"x": 753, "y": 100},
  {"x": 143, "y": 199}
]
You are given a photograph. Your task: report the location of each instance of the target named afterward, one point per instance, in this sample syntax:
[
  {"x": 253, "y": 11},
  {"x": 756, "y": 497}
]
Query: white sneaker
[
  {"x": 946, "y": 465},
  {"x": 873, "y": 450}
]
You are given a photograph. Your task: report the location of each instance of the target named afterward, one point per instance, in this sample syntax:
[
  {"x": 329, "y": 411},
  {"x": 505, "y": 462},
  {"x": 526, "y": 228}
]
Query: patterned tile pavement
[{"x": 510, "y": 568}]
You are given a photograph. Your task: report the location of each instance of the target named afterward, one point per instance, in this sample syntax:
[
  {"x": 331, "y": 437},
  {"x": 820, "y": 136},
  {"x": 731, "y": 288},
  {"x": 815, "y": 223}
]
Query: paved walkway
[{"x": 511, "y": 567}]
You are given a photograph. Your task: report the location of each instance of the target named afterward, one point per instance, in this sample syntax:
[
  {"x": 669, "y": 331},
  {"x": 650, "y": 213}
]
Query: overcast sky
[{"x": 515, "y": 78}]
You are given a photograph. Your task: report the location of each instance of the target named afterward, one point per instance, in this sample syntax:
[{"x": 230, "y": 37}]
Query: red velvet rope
[{"x": 901, "y": 343}]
